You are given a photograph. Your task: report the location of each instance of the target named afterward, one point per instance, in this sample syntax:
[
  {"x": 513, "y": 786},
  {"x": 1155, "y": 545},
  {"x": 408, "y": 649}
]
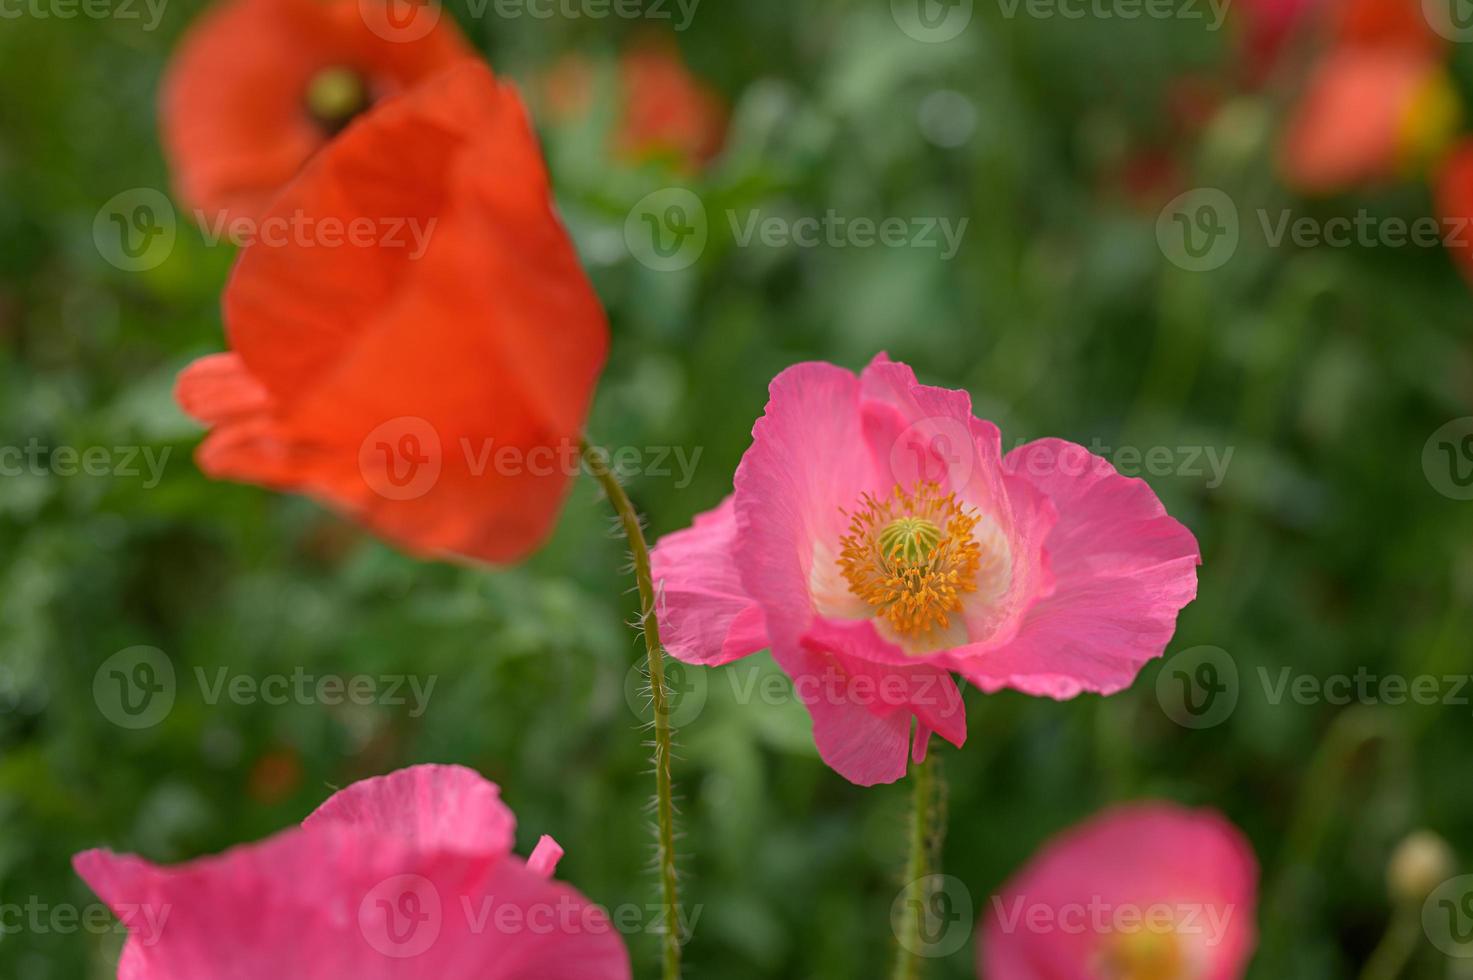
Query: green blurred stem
[
  {"x": 1396, "y": 947},
  {"x": 926, "y": 830},
  {"x": 597, "y": 463}
]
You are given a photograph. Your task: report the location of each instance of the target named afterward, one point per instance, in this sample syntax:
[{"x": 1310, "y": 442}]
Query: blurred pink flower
[
  {"x": 403, "y": 876},
  {"x": 878, "y": 539},
  {"x": 1140, "y": 891}
]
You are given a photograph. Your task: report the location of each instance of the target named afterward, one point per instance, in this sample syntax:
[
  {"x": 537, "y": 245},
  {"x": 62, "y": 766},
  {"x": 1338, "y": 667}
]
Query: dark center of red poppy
[{"x": 335, "y": 96}]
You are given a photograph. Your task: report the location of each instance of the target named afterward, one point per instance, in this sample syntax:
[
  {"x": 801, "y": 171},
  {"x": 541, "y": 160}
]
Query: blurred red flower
[
  {"x": 1368, "y": 114},
  {"x": 418, "y": 346},
  {"x": 1454, "y": 194},
  {"x": 258, "y": 86},
  {"x": 663, "y": 111},
  {"x": 1384, "y": 24}
]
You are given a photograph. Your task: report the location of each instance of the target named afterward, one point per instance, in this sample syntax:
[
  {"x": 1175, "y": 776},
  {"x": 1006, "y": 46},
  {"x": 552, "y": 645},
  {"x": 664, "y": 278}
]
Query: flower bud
[{"x": 1420, "y": 863}]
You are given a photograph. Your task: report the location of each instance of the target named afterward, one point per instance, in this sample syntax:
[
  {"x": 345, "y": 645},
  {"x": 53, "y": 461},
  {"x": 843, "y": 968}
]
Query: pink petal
[
  {"x": 862, "y": 711},
  {"x": 433, "y": 807},
  {"x": 545, "y": 857},
  {"x": 334, "y": 901},
  {"x": 807, "y": 464},
  {"x": 705, "y": 614},
  {"x": 919, "y": 432},
  {"x": 1130, "y": 857},
  {"x": 1123, "y": 569}
]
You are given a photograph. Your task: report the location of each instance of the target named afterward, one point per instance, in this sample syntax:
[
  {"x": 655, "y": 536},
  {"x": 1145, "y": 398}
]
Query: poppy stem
[
  {"x": 927, "y": 831},
  {"x": 597, "y": 462}
]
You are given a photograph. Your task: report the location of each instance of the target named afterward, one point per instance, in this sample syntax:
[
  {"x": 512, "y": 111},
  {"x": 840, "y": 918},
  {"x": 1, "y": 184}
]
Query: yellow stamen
[
  {"x": 912, "y": 556},
  {"x": 335, "y": 96},
  {"x": 1144, "y": 955}
]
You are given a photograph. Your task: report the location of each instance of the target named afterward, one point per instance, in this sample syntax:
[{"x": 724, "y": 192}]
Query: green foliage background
[{"x": 1326, "y": 549}]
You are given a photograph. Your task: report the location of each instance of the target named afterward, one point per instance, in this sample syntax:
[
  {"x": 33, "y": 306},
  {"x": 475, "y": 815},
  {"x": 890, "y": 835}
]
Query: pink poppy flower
[
  {"x": 878, "y": 539},
  {"x": 1140, "y": 891},
  {"x": 403, "y": 876}
]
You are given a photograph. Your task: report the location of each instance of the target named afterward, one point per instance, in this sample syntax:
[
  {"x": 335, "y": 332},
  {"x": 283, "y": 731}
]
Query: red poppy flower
[
  {"x": 1383, "y": 24},
  {"x": 664, "y": 111},
  {"x": 414, "y": 343},
  {"x": 1455, "y": 204},
  {"x": 1368, "y": 115},
  {"x": 258, "y": 86}
]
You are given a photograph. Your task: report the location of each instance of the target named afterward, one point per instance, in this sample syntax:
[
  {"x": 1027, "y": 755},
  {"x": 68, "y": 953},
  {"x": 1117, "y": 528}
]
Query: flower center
[
  {"x": 911, "y": 557},
  {"x": 335, "y": 96},
  {"x": 1144, "y": 956}
]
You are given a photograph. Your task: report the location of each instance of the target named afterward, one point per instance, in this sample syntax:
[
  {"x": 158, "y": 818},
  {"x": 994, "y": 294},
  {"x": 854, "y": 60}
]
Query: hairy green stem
[
  {"x": 927, "y": 827},
  {"x": 597, "y": 463}
]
